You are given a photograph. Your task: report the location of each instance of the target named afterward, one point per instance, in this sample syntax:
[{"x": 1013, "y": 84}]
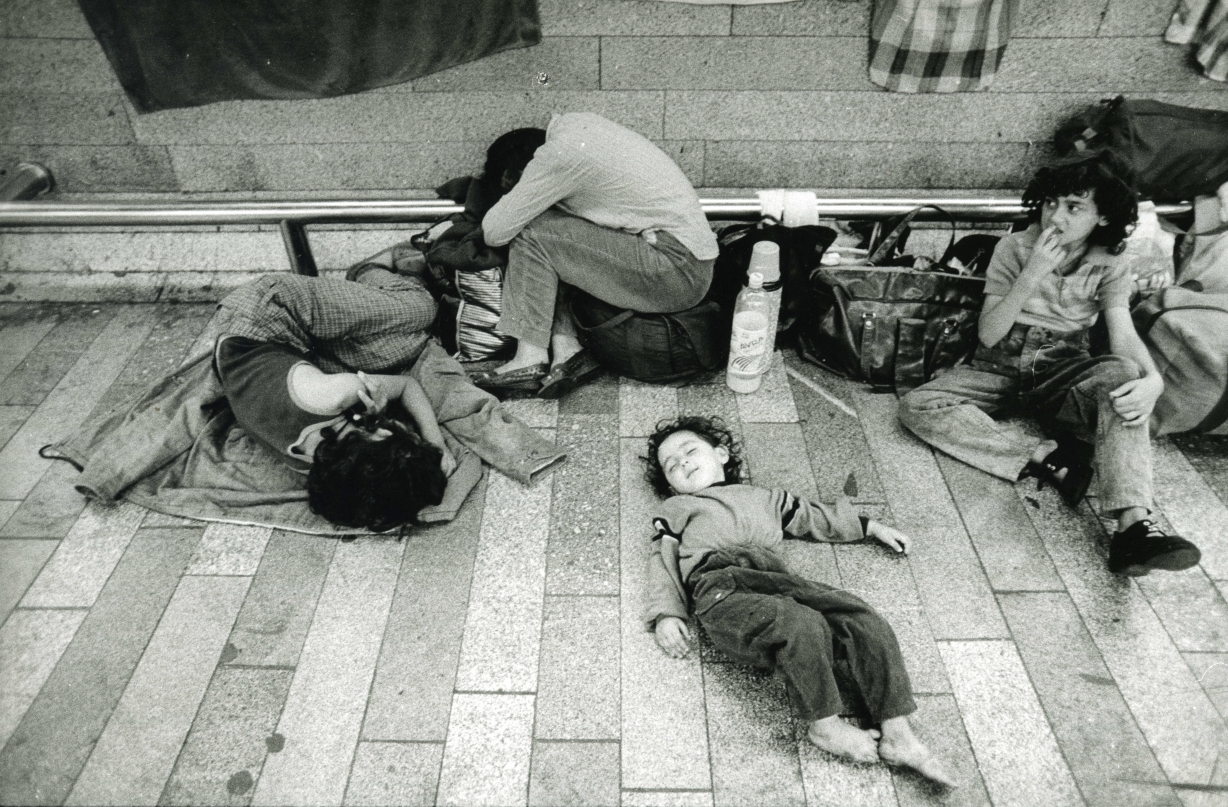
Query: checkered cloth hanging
[{"x": 938, "y": 45}]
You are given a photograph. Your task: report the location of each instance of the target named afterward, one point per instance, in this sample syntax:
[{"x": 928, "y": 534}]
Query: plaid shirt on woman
[{"x": 938, "y": 45}]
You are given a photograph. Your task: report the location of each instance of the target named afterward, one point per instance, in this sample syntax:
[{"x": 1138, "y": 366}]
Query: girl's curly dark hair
[
  {"x": 1099, "y": 173},
  {"x": 357, "y": 481},
  {"x": 711, "y": 430}
]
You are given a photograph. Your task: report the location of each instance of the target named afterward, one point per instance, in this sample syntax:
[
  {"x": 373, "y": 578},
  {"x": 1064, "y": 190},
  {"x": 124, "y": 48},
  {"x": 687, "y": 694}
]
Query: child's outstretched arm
[
  {"x": 1133, "y": 400},
  {"x": 673, "y": 636}
]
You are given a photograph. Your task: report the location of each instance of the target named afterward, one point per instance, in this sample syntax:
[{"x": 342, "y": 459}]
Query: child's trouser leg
[
  {"x": 1074, "y": 395},
  {"x": 793, "y": 625},
  {"x": 952, "y": 413}
]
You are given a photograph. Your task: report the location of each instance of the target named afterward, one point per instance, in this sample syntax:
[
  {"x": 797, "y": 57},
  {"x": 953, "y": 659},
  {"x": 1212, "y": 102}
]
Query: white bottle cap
[
  {"x": 756, "y": 280},
  {"x": 765, "y": 259}
]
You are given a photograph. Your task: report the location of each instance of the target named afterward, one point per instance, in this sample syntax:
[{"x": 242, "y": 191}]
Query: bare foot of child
[
  {"x": 835, "y": 736},
  {"x": 900, "y": 746}
]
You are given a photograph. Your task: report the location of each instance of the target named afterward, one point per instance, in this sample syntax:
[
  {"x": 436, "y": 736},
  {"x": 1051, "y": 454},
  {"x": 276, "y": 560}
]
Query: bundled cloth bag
[
  {"x": 938, "y": 45},
  {"x": 1176, "y": 152}
]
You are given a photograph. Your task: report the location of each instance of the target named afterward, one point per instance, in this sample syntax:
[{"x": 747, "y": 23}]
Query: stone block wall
[{"x": 742, "y": 97}]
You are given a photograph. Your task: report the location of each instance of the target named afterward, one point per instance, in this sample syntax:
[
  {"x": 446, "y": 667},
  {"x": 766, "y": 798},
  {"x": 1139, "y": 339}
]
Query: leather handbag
[{"x": 892, "y": 327}]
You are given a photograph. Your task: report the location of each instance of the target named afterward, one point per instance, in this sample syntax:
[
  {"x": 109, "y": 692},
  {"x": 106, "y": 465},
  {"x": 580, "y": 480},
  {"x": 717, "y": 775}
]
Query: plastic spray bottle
[{"x": 750, "y": 344}]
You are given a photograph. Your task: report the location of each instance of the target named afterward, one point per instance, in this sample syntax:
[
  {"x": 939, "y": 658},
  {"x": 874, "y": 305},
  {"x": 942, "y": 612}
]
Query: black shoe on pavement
[
  {"x": 1143, "y": 546},
  {"x": 1076, "y": 457}
]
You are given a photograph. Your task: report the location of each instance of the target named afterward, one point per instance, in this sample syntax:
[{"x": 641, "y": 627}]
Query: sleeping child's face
[{"x": 690, "y": 463}]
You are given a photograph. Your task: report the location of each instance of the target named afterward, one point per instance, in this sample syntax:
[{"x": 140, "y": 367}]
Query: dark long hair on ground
[
  {"x": 711, "y": 430},
  {"x": 358, "y": 481},
  {"x": 1105, "y": 177}
]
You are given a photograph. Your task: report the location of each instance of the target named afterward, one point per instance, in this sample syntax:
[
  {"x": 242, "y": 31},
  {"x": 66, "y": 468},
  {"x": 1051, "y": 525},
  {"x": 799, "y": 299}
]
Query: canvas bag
[
  {"x": 1177, "y": 152},
  {"x": 1186, "y": 332},
  {"x": 892, "y": 327}
]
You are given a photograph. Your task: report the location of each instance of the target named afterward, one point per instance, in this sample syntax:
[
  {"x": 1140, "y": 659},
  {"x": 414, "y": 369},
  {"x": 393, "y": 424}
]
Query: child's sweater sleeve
[
  {"x": 666, "y": 595},
  {"x": 837, "y": 522}
]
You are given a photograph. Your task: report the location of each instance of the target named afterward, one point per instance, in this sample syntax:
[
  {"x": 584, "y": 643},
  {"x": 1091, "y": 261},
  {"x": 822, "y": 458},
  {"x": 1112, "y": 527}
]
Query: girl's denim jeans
[{"x": 1053, "y": 378}]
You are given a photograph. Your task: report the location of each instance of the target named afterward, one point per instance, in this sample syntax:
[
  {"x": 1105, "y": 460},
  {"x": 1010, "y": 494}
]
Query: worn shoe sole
[{"x": 1173, "y": 561}]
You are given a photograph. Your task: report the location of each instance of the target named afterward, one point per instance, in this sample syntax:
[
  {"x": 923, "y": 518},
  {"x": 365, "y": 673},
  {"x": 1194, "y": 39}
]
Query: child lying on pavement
[{"x": 716, "y": 546}]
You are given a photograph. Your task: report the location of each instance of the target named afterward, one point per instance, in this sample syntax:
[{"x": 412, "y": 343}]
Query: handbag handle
[{"x": 884, "y": 248}]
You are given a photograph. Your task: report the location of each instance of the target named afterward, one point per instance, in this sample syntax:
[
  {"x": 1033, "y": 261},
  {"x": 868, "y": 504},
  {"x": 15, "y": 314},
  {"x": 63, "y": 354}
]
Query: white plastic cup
[{"x": 765, "y": 259}]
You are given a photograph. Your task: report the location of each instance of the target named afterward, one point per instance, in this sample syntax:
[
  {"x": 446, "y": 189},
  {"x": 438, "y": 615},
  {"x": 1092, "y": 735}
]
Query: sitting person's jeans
[
  {"x": 1052, "y": 378},
  {"x": 651, "y": 273}
]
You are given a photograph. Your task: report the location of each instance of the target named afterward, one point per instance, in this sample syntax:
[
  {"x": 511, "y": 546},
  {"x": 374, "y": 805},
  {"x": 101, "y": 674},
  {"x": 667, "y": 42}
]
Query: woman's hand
[
  {"x": 673, "y": 636},
  {"x": 889, "y": 536}
]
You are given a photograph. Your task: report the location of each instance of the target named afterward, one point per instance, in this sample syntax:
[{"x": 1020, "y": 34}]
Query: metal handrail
[{"x": 293, "y": 216}]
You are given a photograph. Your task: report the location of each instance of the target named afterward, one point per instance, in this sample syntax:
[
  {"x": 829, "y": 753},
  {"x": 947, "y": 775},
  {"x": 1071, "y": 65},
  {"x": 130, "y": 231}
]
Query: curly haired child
[
  {"x": 1044, "y": 289},
  {"x": 716, "y": 546}
]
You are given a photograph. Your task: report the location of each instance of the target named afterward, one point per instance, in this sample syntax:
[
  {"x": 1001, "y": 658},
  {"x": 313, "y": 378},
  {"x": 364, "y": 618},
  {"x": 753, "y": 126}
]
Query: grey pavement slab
[
  {"x": 623, "y": 18},
  {"x": 1134, "y": 18},
  {"x": 1191, "y": 609},
  {"x": 599, "y": 397},
  {"x": 7, "y": 508},
  {"x": 664, "y": 739},
  {"x": 50, "y": 509},
  {"x": 487, "y": 755},
  {"x": 1133, "y": 64},
  {"x": 773, "y": 401},
  {"x": 832, "y": 782},
  {"x": 19, "y": 338},
  {"x": 31, "y": 642},
  {"x": 1103, "y": 746},
  {"x": 225, "y": 750},
  {"x": 921, "y": 657},
  {"x": 877, "y": 164},
  {"x": 400, "y": 774},
  {"x": 273, "y": 622},
  {"x": 1173, "y": 712},
  {"x": 750, "y": 734},
  {"x": 1017, "y": 754},
  {"x": 233, "y": 549},
  {"x": 57, "y": 65},
  {"x": 953, "y": 586},
  {"x": 535, "y": 412},
  {"x": 43, "y": 19},
  {"x": 582, "y": 552},
  {"x": 1209, "y": 456},
  {"x": 1211, "y": 670},
  {"x": 412, "y": 693},
  {"x": 65, "y": 118},
  {"x": 389, "y": 117},
  {"x": 667, "y": 798},
  {"x": 502, "y": 638},
  {"x": 937, "y": 723},
  {"x": 85, "y": 559},
  {"x": 849, "y": 18},
  {"x": 710, "y": 396},
  {"x": 51, "y": 744},
  {"x": 54, "y": 355},
  {"x": 22, "y": 560},
  {"x": 839, "y": 455},
  {"x": 135, "y": 754},
  {"x": 569, "y": 63},
  {"x": 72, "y": 399},
  {"x": 120, "y": 167},
  {"x": 734, "y": 63},
  {"x": 641, "y": 406},
  {"x": 1191, "y": 506},
  {"x": 1053, "y": 18},
  {"x": 577, "y": 691},
  {"x": 774, "y": 456},
  {"x": 328, "y": 696},
  {"x": 99, "y": 254},
  {"x": 579, "y": 774},
  {"x": 1006, "y": 542}
]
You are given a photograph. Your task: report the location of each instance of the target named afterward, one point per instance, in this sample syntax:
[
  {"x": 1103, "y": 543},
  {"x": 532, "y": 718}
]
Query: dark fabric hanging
[{"x": 178, "y": 53}]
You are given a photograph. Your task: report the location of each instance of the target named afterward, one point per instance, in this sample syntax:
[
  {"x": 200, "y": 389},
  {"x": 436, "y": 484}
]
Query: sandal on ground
[
  {"x": 1076, "y": 457},
  {"x": 526, "y": 379},
  {"x": 565, "y": 377}
]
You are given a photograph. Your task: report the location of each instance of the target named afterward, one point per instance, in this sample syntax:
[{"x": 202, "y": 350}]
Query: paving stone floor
[{"x": 500, "y": 659}]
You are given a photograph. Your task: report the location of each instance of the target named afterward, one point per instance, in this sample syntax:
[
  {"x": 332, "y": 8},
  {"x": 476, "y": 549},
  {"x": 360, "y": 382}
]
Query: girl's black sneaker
[{"x": 1143, "y": 546}]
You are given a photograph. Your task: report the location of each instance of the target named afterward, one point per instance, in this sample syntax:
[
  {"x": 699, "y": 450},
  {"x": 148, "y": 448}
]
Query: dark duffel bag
[
  {"x": 658, "y": 348},
  {"x": 1176, "y": 152},
  {"x": 890, "y": 327}
]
